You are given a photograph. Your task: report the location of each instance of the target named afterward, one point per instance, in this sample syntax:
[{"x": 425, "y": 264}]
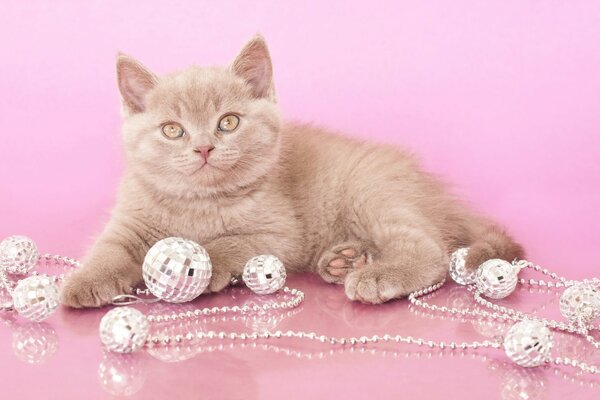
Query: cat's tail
[{"x": 488, "y": 241}]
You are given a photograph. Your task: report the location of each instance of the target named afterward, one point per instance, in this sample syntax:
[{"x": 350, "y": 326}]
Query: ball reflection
[
  {"x": 175, "y": 352},
  {"x": 34, "y": 343},
  {"x": 490, "y": 328},
  {"x": 262, "y": 321},
  {"x": 459, "y": 298},
  {"x": 122, "y": 374},
  {"x": 523, "y": 384}
]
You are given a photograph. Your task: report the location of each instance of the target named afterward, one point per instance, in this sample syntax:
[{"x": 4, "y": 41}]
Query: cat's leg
[
  {"x": 112, "y": 267},
  {"x": 408, "y": 259},
  {"x": 335, "y": 263}
]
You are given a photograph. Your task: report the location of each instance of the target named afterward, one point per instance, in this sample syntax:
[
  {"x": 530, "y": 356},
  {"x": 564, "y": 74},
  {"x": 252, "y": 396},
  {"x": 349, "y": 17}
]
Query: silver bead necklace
[
  {"x": 578, "y": 325},
  {"x": 528, "y": 342},
  {"x": 36, "y": 296}
]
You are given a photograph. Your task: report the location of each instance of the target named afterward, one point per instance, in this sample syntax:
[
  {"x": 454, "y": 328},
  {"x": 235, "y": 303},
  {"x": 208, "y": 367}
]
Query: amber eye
[
  {"x": 173, "y": 130},
  {"x": 229, "y": 122}
]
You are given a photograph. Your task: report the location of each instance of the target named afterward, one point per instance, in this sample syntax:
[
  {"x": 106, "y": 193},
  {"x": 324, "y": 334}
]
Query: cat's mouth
[
  {"x": 204, "y": 168},
  {"x": 208, "y": 165}
]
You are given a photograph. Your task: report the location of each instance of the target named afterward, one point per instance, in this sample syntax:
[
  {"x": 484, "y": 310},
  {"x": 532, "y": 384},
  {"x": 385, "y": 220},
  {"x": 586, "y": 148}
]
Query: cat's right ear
[{"x": 135, "y": 81}]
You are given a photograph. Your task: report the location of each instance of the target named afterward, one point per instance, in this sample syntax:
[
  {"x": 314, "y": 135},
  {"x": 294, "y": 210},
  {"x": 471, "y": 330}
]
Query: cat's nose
[{"x": 204, "y": 151}]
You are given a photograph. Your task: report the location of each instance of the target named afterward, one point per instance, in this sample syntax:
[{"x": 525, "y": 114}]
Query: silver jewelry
[
  {"x": 176, "y": 270},
  {"x": 529, "y": 327},
  {"x": 264, "y": 274},
  {"x": 36, "y": 296},
  {"x": 528, "y": 343}
]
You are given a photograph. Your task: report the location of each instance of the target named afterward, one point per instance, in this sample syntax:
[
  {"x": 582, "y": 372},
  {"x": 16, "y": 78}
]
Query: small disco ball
[
  {"x": 18, "y": 255},
  {"x": 580, "y": 302},
  {"x": 36, "y": 297},
  {"x": 177, "y": 270},
  {"x": 496, "y": 278},
  {"x": 264, "y": 274},
  {"x": 124, "y": 329},
  {"x": 34, "y": 342},
  {"x": 528, "y": 343},
  {"x": 458, "y": 268}
]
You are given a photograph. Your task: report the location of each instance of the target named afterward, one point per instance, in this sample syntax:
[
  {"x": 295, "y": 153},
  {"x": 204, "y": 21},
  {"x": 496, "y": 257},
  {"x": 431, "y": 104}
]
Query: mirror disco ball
[
  {"x": 496, "y": 278},
  {"x": 264, "y": 274},
  {"x": 177, "y": 270},
  {"x": 18, "y": 255}
]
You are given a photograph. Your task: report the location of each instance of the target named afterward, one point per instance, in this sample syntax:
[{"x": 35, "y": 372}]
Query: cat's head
[{"x": 202, "y": 131}]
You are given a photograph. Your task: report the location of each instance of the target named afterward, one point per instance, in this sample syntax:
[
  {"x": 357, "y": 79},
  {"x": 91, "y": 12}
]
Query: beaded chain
[
  {"x": 295, "y": 298},
  {"x": 50, "y": 260},
  {"x": 505, "y": 314},
  {"x": 497, "y": 312},
  {"x": 388, "y": 353}
]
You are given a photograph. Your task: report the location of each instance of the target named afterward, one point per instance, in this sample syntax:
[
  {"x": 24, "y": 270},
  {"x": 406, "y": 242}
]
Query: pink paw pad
[{"x": 345, "y": 261}]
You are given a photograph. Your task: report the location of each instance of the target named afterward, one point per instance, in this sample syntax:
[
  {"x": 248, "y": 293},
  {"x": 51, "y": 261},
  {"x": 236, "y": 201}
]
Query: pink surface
[
  {"x": 500, "y": 97},
  {"x": 63, "y": 359}
]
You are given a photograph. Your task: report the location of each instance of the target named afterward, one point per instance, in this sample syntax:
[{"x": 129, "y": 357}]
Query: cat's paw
[
  {"x": 218, "y": 281},
  {"x": 378, "y": 283},
  {"x": 83, "y": 289},
  {"x": 336, "y": 263},
  {"x": 373, "y": 285}
]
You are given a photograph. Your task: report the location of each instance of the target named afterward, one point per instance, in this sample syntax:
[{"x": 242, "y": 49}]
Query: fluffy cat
[{"x": 209, "y": 159}]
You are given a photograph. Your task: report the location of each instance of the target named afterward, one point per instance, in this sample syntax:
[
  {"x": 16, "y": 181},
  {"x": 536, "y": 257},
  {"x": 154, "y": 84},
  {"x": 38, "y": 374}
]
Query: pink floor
[{"x": 63, "y": 358}]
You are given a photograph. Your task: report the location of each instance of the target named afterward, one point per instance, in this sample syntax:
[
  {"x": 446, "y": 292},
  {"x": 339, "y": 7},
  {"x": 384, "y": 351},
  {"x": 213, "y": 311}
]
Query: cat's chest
[{"x": 203, "y": 221}]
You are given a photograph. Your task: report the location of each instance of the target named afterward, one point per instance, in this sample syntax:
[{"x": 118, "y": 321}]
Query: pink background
[{"x": 500, "y": 97}]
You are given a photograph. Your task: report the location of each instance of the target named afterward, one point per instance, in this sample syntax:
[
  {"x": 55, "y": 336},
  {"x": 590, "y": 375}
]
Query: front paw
[
  {"x": 218, "y": 281},
  {"x": 373, "y": 285},
  {"x": 83, "y": 289},
  {"x": 378, "y": 283}
]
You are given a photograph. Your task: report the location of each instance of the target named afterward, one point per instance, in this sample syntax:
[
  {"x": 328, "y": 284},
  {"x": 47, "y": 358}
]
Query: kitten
[{"x": 209, "y": 159}]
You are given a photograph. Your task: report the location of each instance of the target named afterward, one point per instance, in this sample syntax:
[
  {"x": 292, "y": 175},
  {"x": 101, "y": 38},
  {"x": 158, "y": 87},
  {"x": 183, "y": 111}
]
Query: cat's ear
[
  {"x": 135, "y": 81},
  {"x": 254, "y": 65}
]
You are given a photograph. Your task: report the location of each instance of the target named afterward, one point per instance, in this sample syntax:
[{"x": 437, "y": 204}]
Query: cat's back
[
  {"x": 317, "y": 158},
  {"x": 327, "y": 174}
]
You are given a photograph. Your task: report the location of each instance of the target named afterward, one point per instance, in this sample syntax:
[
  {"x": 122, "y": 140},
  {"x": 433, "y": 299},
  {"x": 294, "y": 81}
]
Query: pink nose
[{"x": 204, "y": 150}]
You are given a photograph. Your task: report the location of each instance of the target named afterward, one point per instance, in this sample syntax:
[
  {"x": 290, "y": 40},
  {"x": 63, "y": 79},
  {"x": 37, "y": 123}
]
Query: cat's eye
[
  {"x": 173, "y": 130},
  {"x": 229, "y": 122}
]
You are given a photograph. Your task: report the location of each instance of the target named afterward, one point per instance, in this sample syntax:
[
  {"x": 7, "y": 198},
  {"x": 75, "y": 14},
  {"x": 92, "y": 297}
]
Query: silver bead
[
  {"x": 124, "y": 330},
  {"x": 528, "y": 343},
  {"x": 496, "y": 278},
  {"x": 458, "y": 270},
  {"x": 177, "y": 270},
  {"x": 18, "y": 255},
  {"x": 264, "y": 274},
  {"x": 36, "y": 297},
  {"x": 580, "y": 302}
]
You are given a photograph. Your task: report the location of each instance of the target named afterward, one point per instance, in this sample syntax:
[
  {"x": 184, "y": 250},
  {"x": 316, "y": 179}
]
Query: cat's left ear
[
  {"x": 254, "y": 65},
  {"x": 135, "y": 81}
]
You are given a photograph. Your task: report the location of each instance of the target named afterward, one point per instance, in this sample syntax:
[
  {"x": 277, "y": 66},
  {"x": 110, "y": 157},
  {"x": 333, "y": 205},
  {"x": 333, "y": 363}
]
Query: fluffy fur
[{"x": 359, "y": 214}]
